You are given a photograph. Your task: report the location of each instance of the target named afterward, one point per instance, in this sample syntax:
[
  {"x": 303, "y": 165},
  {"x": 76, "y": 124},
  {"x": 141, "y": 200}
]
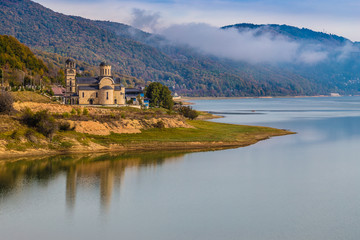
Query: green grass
[
  {"x": 66, "y": 145},
  {"x": 28, "y": 96},
  {"x": 203, "y": 131}
]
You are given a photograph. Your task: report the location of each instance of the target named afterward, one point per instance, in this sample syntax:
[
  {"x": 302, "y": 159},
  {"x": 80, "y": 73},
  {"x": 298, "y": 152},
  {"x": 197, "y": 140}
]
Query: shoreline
[
  {"x": 224, "y": 136},
  {"x": 134, "y": 132},
  {"x": 148, "y": 147},
  {"x": 265, "y": 97},
  {"x": 191, "y": 146}
]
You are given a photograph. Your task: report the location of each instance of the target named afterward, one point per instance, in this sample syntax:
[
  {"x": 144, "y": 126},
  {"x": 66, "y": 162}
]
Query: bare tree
[{"x": 6, "y": 103}]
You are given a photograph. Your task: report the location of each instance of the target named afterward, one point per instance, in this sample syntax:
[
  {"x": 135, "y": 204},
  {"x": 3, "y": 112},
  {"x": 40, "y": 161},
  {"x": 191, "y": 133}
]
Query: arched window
[
  {"x": 107, "y": 95},
  {"x": 83, "y": 94}
]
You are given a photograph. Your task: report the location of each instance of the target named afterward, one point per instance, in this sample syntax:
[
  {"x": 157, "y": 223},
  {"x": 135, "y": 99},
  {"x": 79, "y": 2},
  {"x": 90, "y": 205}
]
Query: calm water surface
[{"x": 303, "y": 186}]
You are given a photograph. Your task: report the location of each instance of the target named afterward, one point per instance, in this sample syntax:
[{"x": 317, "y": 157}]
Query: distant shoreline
[{"x": 221, "y": 98}]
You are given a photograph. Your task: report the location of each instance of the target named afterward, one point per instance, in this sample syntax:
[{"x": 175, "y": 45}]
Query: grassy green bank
[
  {"x": 202, "y": 131},
  {"x": 203, "y": 135},
  {"x": 37, "y": 127}
]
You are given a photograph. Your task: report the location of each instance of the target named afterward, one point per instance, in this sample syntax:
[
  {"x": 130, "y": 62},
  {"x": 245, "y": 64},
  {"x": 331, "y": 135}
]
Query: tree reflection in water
[{"x": 103, "y": 170}]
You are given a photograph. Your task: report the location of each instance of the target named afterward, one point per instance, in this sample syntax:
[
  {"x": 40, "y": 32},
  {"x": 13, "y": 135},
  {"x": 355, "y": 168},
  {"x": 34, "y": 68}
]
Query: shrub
[
  {"x": 28, "y": 118},
  {"x": 50, "y": 92},
  {"x": 85, "y": 111},
  {"x": 65, "y": 126},
  {"x": 188, "y": 112},
  {"x": 6, "y": 102},
  {"x": 73, "y": 111},
  {"x": 15, "y": 135},
  {"x": 78, "y": 111},
  {"x": 66, "y": 144},
  {"x": 160, "y": 124},
  {"x": 30, "y": 135},
  {"x": 66, "y": 115},
  {"x": 42, "y": 121}
]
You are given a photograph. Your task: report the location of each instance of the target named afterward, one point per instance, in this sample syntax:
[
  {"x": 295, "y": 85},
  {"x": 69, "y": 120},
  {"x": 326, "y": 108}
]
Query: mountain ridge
[
  {"x": 144, "y": 56},
  {"x": 292, "y": 32}
]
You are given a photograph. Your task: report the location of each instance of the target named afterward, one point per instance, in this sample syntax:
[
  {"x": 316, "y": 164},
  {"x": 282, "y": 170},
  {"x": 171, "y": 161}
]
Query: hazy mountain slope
[
  {"x": 270, "y": 79},
  {"x": 151, "y": 58},
  {"x": 291, "y": 32},
  {"x": 339, "y": 71}
]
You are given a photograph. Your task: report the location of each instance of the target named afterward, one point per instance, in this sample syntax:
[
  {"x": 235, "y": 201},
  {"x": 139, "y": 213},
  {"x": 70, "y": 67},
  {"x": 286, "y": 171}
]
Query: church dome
[{"x": 103, "y": 64}]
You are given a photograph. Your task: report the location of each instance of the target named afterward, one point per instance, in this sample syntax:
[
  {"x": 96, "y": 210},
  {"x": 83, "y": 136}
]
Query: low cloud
[
  {"x": 145, "y": 20},
  {"x": 245, "y": 45},
  {"x": 312, "y": 57},
  {"x": 346, "y": 51}
]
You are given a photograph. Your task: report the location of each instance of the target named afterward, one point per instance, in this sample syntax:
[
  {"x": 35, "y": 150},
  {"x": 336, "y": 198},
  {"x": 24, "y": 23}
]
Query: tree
[
  {"x": 139, "y": 99},
  {"x": 61, "y": 77},
  {"x": 159, "y": 95},
  {"x": 6, "y": 102}
]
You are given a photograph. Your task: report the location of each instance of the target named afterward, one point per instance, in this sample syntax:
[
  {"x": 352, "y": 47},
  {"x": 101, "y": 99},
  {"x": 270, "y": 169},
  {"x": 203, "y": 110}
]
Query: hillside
[
  {"x": 18, "y": 56},
  {"x": 338, "y": 72},
  {"x": 152, "y": 58},
  {"x": 294, "y": 33},
  {"x": 18, "y": 62}
]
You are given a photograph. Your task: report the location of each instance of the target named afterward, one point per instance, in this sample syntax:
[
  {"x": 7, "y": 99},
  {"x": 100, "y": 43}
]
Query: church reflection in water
[
  {"x": 106, "y": 174},
  {"x": 105, "y": 171}
]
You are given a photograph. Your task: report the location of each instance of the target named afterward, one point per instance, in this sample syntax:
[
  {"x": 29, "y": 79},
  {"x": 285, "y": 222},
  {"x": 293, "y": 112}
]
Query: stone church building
[{"x": 102, "y": 90}]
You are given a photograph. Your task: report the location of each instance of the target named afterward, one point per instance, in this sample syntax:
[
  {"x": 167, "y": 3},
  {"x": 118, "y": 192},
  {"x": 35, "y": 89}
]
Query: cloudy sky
[{"x": 339, "y": 17}]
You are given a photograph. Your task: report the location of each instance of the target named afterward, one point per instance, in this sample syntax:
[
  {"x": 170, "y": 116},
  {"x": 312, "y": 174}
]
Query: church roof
[
  {"x": 88, "y": 88},
  {"x": 87, "y": 80},
  {"x": 107, "y": 88},
  {"x": 133, "y": 90}
]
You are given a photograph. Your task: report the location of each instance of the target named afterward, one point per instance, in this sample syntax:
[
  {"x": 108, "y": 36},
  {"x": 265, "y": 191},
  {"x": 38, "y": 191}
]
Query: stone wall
[{"x": 87, "y": 96}]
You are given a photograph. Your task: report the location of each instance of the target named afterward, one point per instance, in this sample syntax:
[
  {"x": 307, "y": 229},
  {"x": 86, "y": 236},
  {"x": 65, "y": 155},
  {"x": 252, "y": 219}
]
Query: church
[{"x": 102, "y": 90}]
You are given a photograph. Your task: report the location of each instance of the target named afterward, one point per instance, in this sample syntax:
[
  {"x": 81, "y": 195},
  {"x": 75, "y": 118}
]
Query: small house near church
[
  {"x": 59, "y": 93},
  {"x": 135, "y": 96}
]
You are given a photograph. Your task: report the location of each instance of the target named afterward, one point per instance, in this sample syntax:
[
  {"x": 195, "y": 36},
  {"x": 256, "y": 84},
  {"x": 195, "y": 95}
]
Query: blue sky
[{"x": 339, "y": 17}]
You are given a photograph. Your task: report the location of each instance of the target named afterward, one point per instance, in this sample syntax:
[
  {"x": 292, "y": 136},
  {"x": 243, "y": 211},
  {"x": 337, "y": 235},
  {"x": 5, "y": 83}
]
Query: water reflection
[
  {"x": 103, "y": 170},
  {"x": 297, "y": 187}
]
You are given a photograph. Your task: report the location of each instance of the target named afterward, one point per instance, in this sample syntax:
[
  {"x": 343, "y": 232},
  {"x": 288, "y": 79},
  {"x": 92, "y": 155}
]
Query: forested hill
[
  {"x": 142, "y": 55},
  {"x": 14, "y": 55}
]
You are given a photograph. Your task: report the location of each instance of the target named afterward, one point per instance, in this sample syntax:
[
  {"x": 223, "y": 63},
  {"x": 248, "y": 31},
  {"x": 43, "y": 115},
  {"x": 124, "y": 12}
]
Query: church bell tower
[{"x": 70, "y": 76}]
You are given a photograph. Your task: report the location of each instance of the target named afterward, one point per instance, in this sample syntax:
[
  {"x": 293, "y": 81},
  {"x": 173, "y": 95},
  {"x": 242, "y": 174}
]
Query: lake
[{"x": 296, "y": 187}]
